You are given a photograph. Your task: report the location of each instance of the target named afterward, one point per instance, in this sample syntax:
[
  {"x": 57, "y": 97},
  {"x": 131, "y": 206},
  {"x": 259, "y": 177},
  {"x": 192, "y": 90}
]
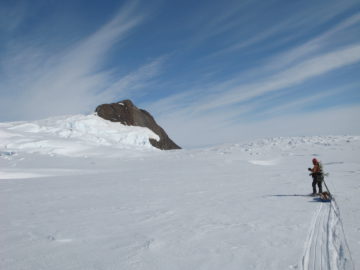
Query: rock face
[{"x": 127, "y": 113}]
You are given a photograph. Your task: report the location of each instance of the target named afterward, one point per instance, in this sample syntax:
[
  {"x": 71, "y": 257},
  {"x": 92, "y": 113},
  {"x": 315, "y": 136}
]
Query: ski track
[{"x": 326, "y": 247}]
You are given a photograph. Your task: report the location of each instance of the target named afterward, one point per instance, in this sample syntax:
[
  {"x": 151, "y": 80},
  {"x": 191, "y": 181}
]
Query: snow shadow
[
  {"x": 320, "y": 200},
  {"x": 314, "y": 199},
  {"x": 289, "y": 195}
]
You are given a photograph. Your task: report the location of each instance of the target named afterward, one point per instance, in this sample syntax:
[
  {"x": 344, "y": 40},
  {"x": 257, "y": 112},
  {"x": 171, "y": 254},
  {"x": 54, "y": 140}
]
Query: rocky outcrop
[{"x": 127, "y": 113}]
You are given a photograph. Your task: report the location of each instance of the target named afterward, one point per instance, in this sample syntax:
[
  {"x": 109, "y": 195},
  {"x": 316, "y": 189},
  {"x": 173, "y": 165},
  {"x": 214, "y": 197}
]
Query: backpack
[{"x": 320, "y": 167}]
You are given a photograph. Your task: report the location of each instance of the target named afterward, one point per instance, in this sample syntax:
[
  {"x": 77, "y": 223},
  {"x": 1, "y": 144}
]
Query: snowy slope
[
  {"x": 73, "y": 135},
  {"x": 242, "y": 206}
]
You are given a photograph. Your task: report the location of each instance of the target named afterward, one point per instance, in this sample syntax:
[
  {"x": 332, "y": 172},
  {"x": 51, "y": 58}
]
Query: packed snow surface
[{"x": 79, "y": 193}]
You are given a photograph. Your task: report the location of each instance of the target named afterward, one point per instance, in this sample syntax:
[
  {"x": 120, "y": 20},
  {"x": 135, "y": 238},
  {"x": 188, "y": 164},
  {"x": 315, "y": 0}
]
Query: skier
[{"x": 317, "y": 175}]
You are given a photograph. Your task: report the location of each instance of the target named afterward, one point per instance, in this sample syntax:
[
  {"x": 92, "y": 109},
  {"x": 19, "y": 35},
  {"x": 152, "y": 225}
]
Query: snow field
[{"x": 241, "y": 206}]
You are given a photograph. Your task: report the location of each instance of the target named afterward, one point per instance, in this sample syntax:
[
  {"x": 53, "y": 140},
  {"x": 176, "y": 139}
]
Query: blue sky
[{"x": 209, "y": 71}]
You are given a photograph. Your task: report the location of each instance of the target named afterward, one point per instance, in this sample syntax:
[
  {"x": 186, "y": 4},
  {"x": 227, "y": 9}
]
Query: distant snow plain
[{"x": 79, "y": 192}]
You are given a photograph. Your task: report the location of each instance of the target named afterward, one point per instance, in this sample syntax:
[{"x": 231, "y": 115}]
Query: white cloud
[
  {"x": 138, "y": 79},
  {"x": 310, "y": 48},
  {"x": 290, "y": 26},
  {"x": 40, "y": 83},
  {"x": 209, "y": 109},
  {"x": 297, "y": 74},
  {"x": 291, "y": 67}
]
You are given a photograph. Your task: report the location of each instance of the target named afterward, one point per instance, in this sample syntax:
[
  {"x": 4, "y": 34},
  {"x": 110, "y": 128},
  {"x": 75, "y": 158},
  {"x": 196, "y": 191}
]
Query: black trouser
[{"x": 317, "y": 180}]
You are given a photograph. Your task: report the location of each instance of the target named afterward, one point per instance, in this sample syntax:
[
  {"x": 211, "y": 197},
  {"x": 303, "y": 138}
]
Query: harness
[{"x": 319, "y": 175}]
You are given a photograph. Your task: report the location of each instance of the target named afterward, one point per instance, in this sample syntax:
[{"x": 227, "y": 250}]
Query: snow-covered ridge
[
  {"x": 72, "y": 135},
  {"x": 288, "y": 143},
  {"x": 82, "y": 135}
]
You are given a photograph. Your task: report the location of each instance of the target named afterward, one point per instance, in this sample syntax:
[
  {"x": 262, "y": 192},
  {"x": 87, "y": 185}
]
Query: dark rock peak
[{"x": 127, "y": 113}]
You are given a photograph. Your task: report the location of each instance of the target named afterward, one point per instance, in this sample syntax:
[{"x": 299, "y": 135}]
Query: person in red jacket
[{"x": 317, "y": 175}]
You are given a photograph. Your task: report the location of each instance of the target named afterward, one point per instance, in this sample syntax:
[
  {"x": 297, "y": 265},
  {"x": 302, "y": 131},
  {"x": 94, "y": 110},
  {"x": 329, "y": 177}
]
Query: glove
[{"x": 309, "y": 169}]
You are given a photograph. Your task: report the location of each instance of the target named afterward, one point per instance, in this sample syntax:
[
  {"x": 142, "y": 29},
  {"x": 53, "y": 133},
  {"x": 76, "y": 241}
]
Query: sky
[{"x": 210, "y": 72}]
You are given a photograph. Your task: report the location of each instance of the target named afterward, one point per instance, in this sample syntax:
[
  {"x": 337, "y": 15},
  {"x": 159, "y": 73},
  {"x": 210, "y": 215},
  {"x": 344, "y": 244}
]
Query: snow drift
[{"x": 73, "y": 135}]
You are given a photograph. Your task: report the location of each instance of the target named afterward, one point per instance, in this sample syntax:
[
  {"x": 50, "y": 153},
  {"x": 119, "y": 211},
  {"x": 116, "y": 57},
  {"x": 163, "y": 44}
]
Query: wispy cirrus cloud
[
  {"x": 142, "y": 77},
  {"x": 220, "y": 106},
  {"x": 315, "y": 46},
  {"x": 299, "y": 73},
  {"x": 42, "y": 82},
  {"x": 11, "y": 15},
  {"x": 225, "y": 94}
]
